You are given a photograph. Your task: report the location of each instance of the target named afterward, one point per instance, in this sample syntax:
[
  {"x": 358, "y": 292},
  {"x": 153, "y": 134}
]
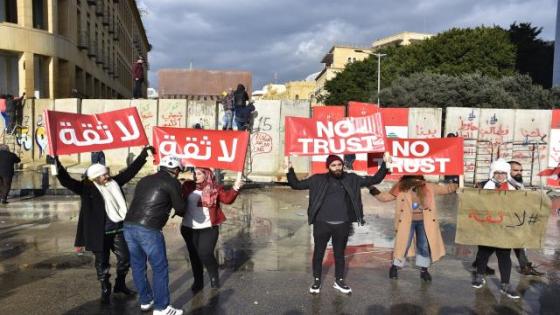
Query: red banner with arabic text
[
  {"x": 439, "y": 156},
  {"x": 310, "y": 136},
  {"x": 203, "y": 148},
  {"x": 77, "y": 133}
]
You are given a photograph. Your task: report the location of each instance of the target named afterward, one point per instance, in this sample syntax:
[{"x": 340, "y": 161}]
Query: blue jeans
[
  {"x": 423, "y": 257},
  {"x": 228, "y": 120},
  {"x": 148, "y": 244}
]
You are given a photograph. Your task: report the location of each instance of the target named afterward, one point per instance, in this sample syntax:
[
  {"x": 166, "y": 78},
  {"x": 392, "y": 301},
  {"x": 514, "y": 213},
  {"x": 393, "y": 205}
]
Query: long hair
[{"x": 415, "y": 182}]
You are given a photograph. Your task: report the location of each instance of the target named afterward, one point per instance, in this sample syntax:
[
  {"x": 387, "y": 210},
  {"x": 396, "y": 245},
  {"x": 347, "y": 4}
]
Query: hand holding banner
[
  {"x": 203, "y": 148},
  {"x": 76, "y": 133},
  {"x": 310, "y": 136}
]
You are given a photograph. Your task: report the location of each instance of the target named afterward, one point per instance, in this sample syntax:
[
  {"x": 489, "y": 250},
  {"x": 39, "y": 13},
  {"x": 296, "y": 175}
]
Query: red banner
[
  {"x": 203, "y": 148},
  {"x": 76, "y": 133},
  {"x": 357, "y": 109},
  {"x": 310, "y": 136},
  {"x": 440, "y": 156}
]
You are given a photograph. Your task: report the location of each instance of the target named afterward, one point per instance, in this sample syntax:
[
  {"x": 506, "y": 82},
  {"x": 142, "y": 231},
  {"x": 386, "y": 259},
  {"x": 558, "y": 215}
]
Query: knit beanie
[{"x": 331, "y": 158}]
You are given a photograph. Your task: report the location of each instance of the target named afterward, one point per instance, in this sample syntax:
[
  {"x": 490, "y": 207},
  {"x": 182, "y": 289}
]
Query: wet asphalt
[{"x": 264, "y": 252}]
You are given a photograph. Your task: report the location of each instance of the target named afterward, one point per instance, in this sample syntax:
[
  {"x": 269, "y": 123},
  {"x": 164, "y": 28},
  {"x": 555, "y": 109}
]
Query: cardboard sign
[
  {"x": 76, "y": 133},
  {"x": 440, "y": 156},
  {"x": 504, "y": 219},
  {"x": 203, "y": 148}
]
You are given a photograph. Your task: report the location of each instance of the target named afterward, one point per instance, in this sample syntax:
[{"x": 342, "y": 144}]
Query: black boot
[
  {"x": 215, "y": 282},
  {"x": 393, "y": 273},
  {"x": 197, "y": 285},
  {"x": 425, "y": 275},
  {"x": 120, "y": 287},
  {"x": 105, "y": 291}
]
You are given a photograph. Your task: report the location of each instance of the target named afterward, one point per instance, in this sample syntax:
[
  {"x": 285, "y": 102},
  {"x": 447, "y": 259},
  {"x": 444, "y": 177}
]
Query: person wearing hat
[
  {"x": 334, "y": 203},
  {"x": 138, "y": 74},
  {"x": 7, "y": 162},
  {"x": 500, "y": 179},
  {"x": 149, "y": 211},
  {"x": 100, "y": 222}
]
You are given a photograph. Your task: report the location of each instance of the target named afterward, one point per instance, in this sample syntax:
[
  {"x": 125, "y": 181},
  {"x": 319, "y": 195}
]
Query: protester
[
  {"x": 242, "y": 114},
  {"x": 138, "y": 73},
  {"x": 100, "y": 222},
  {"x": 334, "y": 203},
  {"x": 243, "y": 117},
  {"x": 227, "y": 104},
  {"x": 416, "y": 217},
  {"x": 154, "y": 197},
  {"x": 7, "y": 162},
  {"x": 201, "y": 224},
  {"x": 499, "y": 180}
]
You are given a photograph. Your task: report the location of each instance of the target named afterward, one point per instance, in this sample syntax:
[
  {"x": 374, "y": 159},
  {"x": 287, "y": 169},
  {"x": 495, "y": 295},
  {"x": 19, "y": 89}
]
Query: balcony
[
  {"x": 83, "y": 39},
  {"x": 92, "y": 52}
]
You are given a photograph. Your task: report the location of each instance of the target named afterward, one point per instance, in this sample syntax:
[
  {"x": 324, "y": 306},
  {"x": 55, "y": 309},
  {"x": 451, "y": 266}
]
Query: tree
[
  {"x": 484, "y": 50},
  {"x": 468, "y": 90},
  {"x": 534, "y": 56}
]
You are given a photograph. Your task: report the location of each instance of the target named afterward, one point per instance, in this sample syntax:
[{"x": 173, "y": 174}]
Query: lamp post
[{"x": 379, "y": 75}]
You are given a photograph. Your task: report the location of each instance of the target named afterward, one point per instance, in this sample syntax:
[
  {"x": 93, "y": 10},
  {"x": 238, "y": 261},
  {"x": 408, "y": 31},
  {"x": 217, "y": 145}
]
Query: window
[
  {"x": 40, "y": 14},
  {"x": 8, "y": 11}
]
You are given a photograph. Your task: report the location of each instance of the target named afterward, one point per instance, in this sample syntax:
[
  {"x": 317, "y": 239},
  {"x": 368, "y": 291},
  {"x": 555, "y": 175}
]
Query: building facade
[
  {"x": 70, "y": 48},
  {"x": 198, "y": 84}
]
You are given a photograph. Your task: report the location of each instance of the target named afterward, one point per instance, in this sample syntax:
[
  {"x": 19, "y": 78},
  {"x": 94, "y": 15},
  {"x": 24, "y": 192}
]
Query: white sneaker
[
  {"x": 147, "y": 307},
  {"x": 170, "y": 310}
]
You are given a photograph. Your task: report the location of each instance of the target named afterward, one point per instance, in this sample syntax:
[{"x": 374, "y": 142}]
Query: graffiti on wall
[
  {"x": 41, "y": 136},
  {"x": 261, "y": 142},
  {"x": 23, "y": 138}
]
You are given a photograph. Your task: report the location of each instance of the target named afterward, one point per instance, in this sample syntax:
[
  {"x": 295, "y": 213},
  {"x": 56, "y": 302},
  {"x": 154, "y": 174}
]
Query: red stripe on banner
[
  {"x": 555, "y": 123},
  {"x": 395, "y": 116},
  {"x": 328, "y": 112}
]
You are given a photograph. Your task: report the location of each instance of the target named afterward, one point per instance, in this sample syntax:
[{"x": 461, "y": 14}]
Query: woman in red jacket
[{"x": 201, "y": 223}]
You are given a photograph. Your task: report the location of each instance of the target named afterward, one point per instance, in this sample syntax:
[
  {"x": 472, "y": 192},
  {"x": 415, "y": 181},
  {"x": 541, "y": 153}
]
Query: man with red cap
[{"x": 334, "y": 203}]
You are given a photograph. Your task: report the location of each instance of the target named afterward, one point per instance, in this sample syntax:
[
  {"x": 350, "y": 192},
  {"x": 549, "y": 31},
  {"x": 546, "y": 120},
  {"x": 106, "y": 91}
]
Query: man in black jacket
[
  {"x": 7, "y": 162},
  {"x": 100, "y": 223},
  {"x": 154, "y": 197},
  {"x": 335, "y": 202}
]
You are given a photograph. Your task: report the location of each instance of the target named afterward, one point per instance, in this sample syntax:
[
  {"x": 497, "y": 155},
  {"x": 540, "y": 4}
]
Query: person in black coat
[
  {"x": 7, "y": 162},
  {"x": 334, "y": 203},
  {"x": 100, "y": 222}
]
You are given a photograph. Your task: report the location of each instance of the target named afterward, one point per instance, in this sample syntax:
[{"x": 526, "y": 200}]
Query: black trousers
[
  {"x": 5, "y": 186},
  {"x": 117, "y": 244},
  {"x": 137, "y": 90},
  {"x": 504, "y": 261},
  {"x": 521, "y": 257},
  {"x": 322, "y": 233},
  {"x": 201, "y": 244}
]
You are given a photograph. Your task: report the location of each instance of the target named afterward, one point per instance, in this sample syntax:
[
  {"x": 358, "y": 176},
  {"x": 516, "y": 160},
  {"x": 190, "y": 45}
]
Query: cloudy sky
[{"x": 284, "y": 40}]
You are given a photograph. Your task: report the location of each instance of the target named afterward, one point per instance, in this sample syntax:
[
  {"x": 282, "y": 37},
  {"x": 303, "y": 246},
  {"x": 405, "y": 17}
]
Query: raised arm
[
  {"x": 367, "y": 181},
  {"x": 294, "y": 182},
  {"x": 65, "y": 180},
  {"x": 133, "y": 169},
  {"x": 382, "y": 196}
]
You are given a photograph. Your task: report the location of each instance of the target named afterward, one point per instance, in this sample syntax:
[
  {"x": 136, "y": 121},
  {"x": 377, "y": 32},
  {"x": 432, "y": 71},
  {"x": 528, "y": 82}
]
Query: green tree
[{"x": 485, "y": 50}]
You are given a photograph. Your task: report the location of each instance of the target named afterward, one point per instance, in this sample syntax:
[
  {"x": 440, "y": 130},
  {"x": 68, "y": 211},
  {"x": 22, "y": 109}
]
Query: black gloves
[
  {"x": 150, "y": 149},
  {"x": 374, "y": 191}
]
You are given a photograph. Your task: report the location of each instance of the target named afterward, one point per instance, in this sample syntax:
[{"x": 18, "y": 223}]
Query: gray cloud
[{"x": 290, "y": 37}]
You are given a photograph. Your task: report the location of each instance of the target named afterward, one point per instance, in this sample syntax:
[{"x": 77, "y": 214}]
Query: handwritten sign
[
  {"x": 203, "y": 148},
  {"x": 309, "y": 136},
  {"x": 440, "y": 156},
  {"x": 504, "y": 219},
  {"x": 76, "y": 133}
]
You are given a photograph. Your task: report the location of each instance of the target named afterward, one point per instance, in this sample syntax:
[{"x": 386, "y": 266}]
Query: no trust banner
[
  {"x": 439, "y": 156},
  {"x": 70, "y": 133},
  {"x": 310, "y": 136},
  {"x": 203, "y": 148}
]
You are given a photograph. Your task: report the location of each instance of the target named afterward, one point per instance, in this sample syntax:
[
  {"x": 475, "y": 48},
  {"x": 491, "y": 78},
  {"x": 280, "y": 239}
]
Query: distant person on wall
[
  {"x": 138, "y": 73},
  {"x": 240, "y": 99},
  {"x": 7, "y": 162},
  {"x": 98, "y": 157},
  {"x": 244, "y": 117},
  {"x": 227, "y": 104}
]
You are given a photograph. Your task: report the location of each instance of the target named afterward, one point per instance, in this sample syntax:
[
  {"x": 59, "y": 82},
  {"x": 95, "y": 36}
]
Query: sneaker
[
  {"x": 509, "y": 291},
  {"x": 169, "y": 310},
  {"x": 147, "y": 307},
  {"x": 478, "y": 281},
  {"x": 316, "y": 286},
  {"x": 341, "y": 286},
  {"x": 425, "y": 275},
  {"x": 529, "y": 270},
  {"x": 393, "y": 272}
]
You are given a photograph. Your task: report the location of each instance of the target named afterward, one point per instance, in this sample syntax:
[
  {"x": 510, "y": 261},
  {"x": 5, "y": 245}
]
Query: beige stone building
[
  {"x": 341, "y": 55},
  {"x": 293, "y": 90},
  {"x": 67, "y": 48}
]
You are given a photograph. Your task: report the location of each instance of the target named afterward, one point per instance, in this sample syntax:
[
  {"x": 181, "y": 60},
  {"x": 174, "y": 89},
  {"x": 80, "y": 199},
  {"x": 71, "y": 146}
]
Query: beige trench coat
[{"x": 403, "y": 220}]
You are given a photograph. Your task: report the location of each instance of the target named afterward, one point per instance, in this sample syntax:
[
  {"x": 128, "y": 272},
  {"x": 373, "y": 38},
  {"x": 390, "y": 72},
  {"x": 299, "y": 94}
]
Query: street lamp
[{"x": 378, "y": 55}]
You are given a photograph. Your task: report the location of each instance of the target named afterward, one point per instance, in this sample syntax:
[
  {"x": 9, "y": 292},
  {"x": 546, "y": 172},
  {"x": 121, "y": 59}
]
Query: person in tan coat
[{"x": 416, "y": 217}]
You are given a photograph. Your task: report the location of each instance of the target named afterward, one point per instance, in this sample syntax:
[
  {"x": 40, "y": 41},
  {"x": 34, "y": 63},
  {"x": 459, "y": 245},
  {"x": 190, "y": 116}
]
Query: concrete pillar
[
  {"x": 52, "y": 17},
  {"x": 53, "y": 75},
  {"x": 25, "y": 13},
  {"x": 26, "y": 77}
]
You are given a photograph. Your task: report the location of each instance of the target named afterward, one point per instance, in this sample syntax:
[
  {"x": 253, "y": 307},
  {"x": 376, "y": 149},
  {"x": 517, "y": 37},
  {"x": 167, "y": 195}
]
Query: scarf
[
  {"x": 115, "y": 206},
  {"x": 209, "y": 188}
]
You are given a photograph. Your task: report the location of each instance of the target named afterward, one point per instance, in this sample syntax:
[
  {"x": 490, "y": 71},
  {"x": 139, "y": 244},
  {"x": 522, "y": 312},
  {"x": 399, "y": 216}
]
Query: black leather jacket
[
  {"x": 352, "y": 183},
  {"x": 154, "y": 197}
]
